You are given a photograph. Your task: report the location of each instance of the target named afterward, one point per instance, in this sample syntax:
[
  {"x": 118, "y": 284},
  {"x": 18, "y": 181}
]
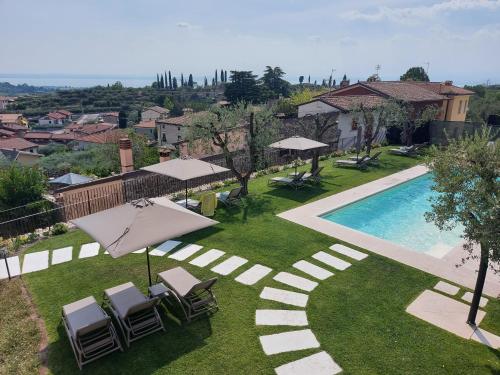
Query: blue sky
[{"x": 459, "y": 38}]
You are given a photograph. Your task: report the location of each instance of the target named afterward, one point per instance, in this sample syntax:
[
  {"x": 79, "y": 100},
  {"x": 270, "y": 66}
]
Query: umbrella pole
[
  {"x": 186, "y": 194},
  {"x": 295, "y": 163},
  {"x": 149, "y": 266}
]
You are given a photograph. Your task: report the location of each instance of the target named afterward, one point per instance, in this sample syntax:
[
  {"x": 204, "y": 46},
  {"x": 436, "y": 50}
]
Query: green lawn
[{"x": 358, "y": 315}]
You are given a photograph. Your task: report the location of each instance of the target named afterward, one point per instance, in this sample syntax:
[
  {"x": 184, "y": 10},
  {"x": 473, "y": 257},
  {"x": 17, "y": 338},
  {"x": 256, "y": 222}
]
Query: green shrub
[{"x": 59, "y": 228}]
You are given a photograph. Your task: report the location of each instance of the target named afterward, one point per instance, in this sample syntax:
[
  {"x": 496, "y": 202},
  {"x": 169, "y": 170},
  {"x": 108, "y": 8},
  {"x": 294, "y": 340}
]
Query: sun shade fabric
[
  {"x": 185, "y": 169},
  {"x": 297, "y": 143},
  {"x": 70, "y": 179},
  {"x": 133, "y": 226}
]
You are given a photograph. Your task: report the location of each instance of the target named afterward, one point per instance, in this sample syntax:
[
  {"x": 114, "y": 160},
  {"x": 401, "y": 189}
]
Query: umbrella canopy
[
  {"x": 297, "y": 143},
  {"x": 70, "y": 179},
  {"x": 185, "y": 169},
  {"x": 139, "y": 224}
]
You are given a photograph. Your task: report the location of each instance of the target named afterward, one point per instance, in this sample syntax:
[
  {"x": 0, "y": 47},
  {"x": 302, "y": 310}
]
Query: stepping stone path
[
  {"x": 229, "y": 265},
  {"x": 186, "y": 252},
  {"x": 14, "y": 267},
  {"x": 289, "y": 341},
  {"x": 38, "y": 261},
  {"x": 332, "y": 261},
  {"x": 446, "y": 288},
  {"x": 207, "y": 258},
  {"x": 296, "y": 281},
  {"x": 89, "y": 250},
  {"x": 164, "y": 248},
  {"x": 280, "y": 318},
  {"x": 468, "y": 298},
  {"x": 312, "y": 270},
  {"x": 284, "y": 296},
  {"x": 62, "y": 255},
  {"x": 253, "y": 275},
  {"x": 317, "y": 364},
  {"x": 347, "y": 251}
]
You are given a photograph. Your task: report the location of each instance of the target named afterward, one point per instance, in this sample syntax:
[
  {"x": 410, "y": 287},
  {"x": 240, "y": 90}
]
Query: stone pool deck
[{"x": 309, "y": 216}]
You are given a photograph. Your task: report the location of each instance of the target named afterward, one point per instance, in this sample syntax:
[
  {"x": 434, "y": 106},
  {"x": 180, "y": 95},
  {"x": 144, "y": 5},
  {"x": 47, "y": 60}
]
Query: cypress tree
[
  {"x": 344, "y": 78},
  {"x": 182, "y": 79},
  {"x": 309, "y": 79},
  {"x": 162, "y": 84},
  {"x": 157, "y": 80},
  {"x": 166, "y": 80},
  {"x": 190, "y": 80},
  {"x": 330, "y": 81},
  {"x": 334, "y": 83},
  {"x": 174, "y": 83},
  {"x": 225, "y": 75},
  {"x": 213, "y": 81},
  {"x": 216, "y": 77},
  {"x": 222, "y": 75},
  {"x": 169, "y": 80},
  {"x": 205, "y": 82}
]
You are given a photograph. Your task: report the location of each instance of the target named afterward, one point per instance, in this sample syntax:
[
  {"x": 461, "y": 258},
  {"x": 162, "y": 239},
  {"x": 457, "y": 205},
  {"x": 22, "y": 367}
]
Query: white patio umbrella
[
  {"x": 297, "y": 143},
  {"x": 140, "y": 224},
  {"x": 185, "y": 169}
]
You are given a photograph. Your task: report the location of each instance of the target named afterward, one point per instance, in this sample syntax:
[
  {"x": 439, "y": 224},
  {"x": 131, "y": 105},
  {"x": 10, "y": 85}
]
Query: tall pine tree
[
  {"x": 216, "y": 77},
  {"x": 166, "y": 80},
  {"x": 162, "y": 84},
  {"x": 205, "y": 82},
  {"x": 157, "y": 80},
  {"x": 174, "y": 83},
  {"x": 169, "y": 80},
  {"x": 190, "y": 80}
]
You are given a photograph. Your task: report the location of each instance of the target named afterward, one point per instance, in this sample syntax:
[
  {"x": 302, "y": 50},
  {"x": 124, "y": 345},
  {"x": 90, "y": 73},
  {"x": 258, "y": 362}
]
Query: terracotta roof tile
[
  {"x": 158, "y": 109},
  {"x": 184, "y": 119},
  {"x": 146, "y": 124},
  {"x": 443, "y": 88},
  {"x": 348, "y": 102},
  {"x": 10, "y": 117},
  {"x": 404, "y": 90},
  {"x": 112, "y": 136},
  {"x": 16, "y": 144}
]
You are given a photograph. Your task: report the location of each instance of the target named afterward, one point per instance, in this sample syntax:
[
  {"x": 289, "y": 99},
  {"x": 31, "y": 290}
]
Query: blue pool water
[{"x": 397, "y": 215}]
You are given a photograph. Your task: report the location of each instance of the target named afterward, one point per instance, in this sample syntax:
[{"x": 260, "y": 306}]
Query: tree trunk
[
  {"x": 315, "y": 161},
  {"x": 243, "y": 180},
  {"x": 481, "y": 277}
]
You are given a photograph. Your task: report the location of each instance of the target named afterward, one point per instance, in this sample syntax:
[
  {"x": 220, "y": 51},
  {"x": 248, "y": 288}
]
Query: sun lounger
[
  {"x": 360, "y": 163},
  {"x": 230, "y": 197},
  {"x": 407, "y": 151},
  {"x": 371, "y": 159},
  {"x": 136, "y": 314},
  {"x": 194, "y": 296},
  {"x": 295, "y": 181},
  {"x": 90, "y": 330},
  {"x": 313, "y": 177}
]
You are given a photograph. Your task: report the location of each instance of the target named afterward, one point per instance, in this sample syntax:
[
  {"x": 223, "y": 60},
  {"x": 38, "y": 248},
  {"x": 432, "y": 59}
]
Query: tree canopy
[
  {"x": 416, "y": 73},
  {"x": 274, "y": 84},
  {"x": 242, "y": 87},
  {"x": 21, "y": 185}
]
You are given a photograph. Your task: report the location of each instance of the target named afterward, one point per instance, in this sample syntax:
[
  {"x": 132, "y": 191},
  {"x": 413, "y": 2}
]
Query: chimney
[
  {"x": 448, "y": 83},
  {"x": 165, "y": 154},
  {"x": 126, "y": 159}
]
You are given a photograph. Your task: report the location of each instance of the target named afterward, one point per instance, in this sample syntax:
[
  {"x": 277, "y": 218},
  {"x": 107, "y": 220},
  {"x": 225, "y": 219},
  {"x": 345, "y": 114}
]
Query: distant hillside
[{"x": 7, "y": 88}]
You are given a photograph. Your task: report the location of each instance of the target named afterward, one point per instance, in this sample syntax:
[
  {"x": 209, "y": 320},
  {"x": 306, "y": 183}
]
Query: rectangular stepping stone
[
  {"x": 229, "y": 265},
  {"x": 280, "y": 318},
  {"x": 164, "y": 248},
  {"x": 331, "y": 260},
  {"x": 253, "y": 274},
  {"x": 89, "y": 250},
  {"x": 296, "y": 281},
  {"x": 14, "y": 267},
  {"x": 468, "y": 298},
  {"x": 207, "y": 258},
  {"x": 313, "y": 270},
  {"x": 446, "y": 288},
  {"x": 140, "y": 251},
  {"x": 284, "y": 296},
  {"x": 317, "y": 364},
  {"x": 62, "y": 255},
  {"x": 288, "y": 341},
  {"x": 38, "y": 261},
  {"x": 347, "y": 251},
  {"x": 186, "y": 252}
]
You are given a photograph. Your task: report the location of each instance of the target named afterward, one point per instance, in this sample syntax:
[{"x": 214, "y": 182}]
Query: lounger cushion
[
  {"x": 124, "y": 298},
  {"x": 84, "y": 316},
  {"x": 347, "y": 162},
  {"x": 180, "y": 280},
  {"x": 285, "y": 180}
]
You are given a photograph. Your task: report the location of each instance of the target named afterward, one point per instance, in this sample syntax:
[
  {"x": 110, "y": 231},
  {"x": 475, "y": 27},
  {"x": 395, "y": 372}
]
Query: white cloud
[
  {"x": 414, "y": 14},
  {"x": 186, "y": 25}
]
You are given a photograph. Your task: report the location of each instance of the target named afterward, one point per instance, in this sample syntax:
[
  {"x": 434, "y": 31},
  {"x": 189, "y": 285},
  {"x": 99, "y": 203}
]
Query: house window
[
  {"x": 354, "y": 124},
  {"x": 460, "y": 107},
  {"x": 179, "y": 128},
  {"x": 164, "y": 138}
]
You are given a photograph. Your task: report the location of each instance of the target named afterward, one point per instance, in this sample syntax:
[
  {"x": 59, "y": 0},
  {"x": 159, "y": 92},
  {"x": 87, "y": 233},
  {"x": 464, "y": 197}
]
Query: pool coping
[{"x": 308, "y": 215}]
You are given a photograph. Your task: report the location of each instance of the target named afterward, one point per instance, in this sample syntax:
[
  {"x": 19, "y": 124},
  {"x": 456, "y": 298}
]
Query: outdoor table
[{"x": 158, "y": 290}]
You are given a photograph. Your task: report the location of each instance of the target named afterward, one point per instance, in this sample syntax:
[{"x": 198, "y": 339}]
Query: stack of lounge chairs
[
  {"x": 407, "y": 150},
  {"x": 92, "y": 333},
  {"x": 297, "y": 180}
]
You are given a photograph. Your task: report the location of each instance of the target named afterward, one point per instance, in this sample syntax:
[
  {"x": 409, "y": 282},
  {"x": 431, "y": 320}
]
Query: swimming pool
[{"x": 397, "y": 215}]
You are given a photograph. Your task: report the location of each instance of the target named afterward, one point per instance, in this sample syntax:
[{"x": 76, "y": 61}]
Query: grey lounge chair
[
  {"x": 194, "y": 296},
  {"x": 314, "y": 176},
  {"x": 230, "y": 197},
  {"x": 90, "y": 330},
  {"x": 295, "y": 181},
  {"x": 136, "y": 314},
  {"x": 371, "y": 159},
  {"x": 404, "y": 150},
  {"x": 360, "y": 163}
]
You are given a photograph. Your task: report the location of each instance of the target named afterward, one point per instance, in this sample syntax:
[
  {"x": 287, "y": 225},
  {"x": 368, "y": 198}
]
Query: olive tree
[
  {"x": 409, "y": 117},
  {"x": 467, "y": 178},
  {"x": 241, "y": 133}
]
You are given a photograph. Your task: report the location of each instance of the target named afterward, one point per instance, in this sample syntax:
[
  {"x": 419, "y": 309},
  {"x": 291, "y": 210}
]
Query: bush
[{"x": 59, "y": 228}]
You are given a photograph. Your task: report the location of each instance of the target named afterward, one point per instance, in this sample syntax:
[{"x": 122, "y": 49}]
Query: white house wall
[{"x": 314, "y": 108}]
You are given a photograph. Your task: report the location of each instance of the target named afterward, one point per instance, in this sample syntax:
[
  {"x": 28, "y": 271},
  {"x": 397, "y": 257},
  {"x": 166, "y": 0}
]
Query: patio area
[{"x": 279, "y": 284}]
